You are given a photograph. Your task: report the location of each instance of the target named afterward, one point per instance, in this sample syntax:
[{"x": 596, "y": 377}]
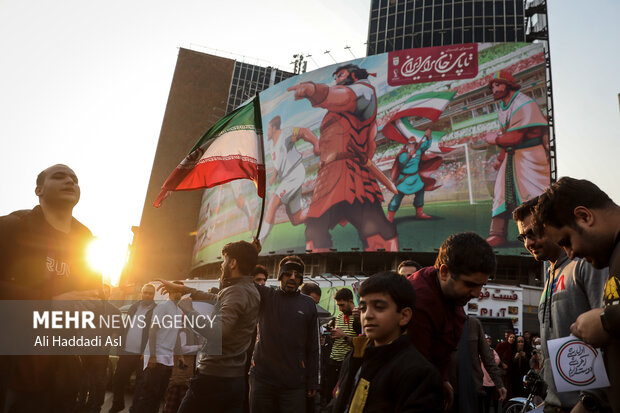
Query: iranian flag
[
  {"x": 426, "y": 105},
  {"x": 231, "y": 149}
]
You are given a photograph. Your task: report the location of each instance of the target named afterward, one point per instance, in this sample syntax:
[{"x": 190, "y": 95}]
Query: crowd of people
[{"x": 407, "y": 346}]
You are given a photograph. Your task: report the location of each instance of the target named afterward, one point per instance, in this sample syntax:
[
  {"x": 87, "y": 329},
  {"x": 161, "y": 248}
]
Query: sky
[{"x": 85, "y": 83}]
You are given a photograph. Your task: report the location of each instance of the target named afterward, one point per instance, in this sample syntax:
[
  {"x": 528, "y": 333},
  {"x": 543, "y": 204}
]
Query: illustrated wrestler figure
[
  {"x": 523, "y": 165},
  {"x": 346, "y": 186}
]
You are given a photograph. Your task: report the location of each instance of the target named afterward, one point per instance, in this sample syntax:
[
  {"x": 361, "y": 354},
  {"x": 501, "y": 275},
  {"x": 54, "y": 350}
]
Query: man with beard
[
  {"x": 285, "y": 366},
  {"x": 463, "y": 266},
  {"x": 581, "y": 218},
  {"x": 219, "y": 383},
  {"x": 346, "y": 187},
  {"x": 523, "y": 164},
  {"x": 572, "y": 287},
  {"x": 43, "y": 257}
]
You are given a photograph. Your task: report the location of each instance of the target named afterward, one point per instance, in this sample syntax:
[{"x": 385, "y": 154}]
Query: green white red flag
[
  {"x": 231, "y": 149},
  {"x": 427, "y": 105}
]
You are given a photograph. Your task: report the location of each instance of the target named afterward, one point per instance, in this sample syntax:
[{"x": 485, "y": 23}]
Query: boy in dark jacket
[{"x": 384, "y": 372}]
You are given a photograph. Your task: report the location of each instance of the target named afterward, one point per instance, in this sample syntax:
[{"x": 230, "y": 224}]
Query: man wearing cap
[
  {"x": 285, "y": 365},
  {"x": 523, "y": 164}
]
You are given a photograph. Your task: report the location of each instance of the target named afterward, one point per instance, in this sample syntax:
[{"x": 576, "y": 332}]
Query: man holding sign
[
  {"x": 567, "y": 281},
  {"x": 582, "y": 219}
]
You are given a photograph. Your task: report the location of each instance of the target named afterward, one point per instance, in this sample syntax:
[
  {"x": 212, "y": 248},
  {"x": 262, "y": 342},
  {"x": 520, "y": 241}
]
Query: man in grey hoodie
[{"x": 571, "y": 287}]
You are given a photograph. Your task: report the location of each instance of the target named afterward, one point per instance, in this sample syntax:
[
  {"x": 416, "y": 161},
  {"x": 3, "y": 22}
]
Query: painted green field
[{"x": 419, "y": 235}]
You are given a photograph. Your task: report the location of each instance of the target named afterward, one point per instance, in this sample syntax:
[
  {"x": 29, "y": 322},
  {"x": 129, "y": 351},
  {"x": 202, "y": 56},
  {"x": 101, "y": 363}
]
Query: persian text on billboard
[{"x": 355, "y": 162}]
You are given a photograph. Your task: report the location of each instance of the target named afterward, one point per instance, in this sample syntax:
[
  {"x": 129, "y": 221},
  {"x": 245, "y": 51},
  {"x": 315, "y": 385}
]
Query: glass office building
[
  {"x": 404, "y": 24},
  {"x": 249, "y": 79}
]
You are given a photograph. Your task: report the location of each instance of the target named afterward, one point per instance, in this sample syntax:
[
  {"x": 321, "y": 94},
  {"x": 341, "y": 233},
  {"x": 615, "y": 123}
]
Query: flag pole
[{"x": 258, "y": 121}]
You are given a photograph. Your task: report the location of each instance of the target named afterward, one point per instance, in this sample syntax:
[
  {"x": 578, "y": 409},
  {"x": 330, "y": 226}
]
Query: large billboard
[{"x": 393, "y": 152}]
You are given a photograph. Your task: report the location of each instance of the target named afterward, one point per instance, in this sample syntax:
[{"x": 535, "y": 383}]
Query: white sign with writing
[
  {"x": 498, "y": 301},
  {"x": 576, "y": 365}
]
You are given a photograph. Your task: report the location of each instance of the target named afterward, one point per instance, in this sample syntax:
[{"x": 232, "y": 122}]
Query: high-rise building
[
  {"x": 249, "y": 79},
  {"x": 405, "y": 24}
]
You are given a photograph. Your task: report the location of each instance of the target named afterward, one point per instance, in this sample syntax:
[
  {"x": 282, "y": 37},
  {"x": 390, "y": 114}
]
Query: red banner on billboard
[{"x": 432, "y": 64}]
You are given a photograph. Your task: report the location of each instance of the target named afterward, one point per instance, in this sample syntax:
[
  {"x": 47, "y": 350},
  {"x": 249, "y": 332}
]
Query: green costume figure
[{"x": 405, "y": 174}]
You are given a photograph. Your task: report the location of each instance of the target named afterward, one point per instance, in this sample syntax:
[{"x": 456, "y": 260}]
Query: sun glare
[{"x": 108, "y": 258}]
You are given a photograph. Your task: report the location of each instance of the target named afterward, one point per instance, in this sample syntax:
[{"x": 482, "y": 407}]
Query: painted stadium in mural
[{"x": 393, "y": 151}]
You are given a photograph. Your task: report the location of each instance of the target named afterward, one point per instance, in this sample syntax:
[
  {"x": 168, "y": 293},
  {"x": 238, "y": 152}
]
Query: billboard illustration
[{"x": 393, "y": 151}]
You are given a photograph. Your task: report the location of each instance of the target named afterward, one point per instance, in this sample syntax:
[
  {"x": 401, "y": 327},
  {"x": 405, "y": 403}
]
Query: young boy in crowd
[{"x": 384, "y": 372}]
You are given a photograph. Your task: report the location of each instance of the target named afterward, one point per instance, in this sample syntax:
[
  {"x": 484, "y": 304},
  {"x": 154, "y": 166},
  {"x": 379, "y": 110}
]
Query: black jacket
[
  {"x": 287, "y": 351},
  {"x": 38, "y": 262},
  {"x": 392, "y": 378}
]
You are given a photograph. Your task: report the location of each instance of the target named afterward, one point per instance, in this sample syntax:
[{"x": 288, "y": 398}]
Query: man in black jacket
[
  {"x": 285, "y": 366},
  {"x": 43, "y": 257},
  {"x": 134, "y": 340}
]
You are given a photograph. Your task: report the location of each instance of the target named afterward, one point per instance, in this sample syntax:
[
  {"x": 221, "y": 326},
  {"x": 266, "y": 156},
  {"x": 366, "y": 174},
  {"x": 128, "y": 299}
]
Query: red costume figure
[{"x": 346, "y": 186}]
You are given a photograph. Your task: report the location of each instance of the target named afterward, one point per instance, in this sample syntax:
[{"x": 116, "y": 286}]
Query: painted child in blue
[{"x": 408, "y": 181}]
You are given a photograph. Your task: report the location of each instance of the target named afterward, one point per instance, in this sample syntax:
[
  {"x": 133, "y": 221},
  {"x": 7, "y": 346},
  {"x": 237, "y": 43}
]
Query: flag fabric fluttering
[
  {"x": 231, "y": 149},
  {"x": 427, "y": 105}
]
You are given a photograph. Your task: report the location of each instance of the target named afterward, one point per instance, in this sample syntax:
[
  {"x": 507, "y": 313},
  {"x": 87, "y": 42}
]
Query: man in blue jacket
[{"x": 285, "y": 365}]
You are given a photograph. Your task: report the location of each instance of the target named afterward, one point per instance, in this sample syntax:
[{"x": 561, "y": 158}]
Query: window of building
[
  {"x": 468, "y": 36},
  {"x": 398, "y": 43},
  {"x": 478, "y": 11},
  {"x": 437, "y": 12},
  {"x": 428, "y": 13},
  {"x": 458, "y": 10},
  {"x": 499, "y": 8},
  {"x": 418, "y": 15},
  {"x": 478, "y": 35},
  {"x": 437, "y": 38},
  {"x": 468, "y": 9},
  {"x": 488, "y": 8},
  {"x": 510, "y": 7},
  {"x": 373, "y": 26},
  {"x": 409, "y": 18},
  {"x": 408, "y": 42},
  {"x": 457, "y": 36},
  {"x": 519, "y": 7},
  {"x": 499, "y": 35}
]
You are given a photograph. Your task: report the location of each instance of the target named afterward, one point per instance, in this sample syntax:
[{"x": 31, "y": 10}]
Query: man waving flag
[{"x": 231, "y": 149}]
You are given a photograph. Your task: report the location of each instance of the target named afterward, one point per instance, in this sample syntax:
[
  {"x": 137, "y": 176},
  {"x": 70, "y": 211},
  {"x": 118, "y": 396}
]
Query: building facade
[
  {"x": 204, "y": 88},
  {"x": 405, "y": 24}
]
